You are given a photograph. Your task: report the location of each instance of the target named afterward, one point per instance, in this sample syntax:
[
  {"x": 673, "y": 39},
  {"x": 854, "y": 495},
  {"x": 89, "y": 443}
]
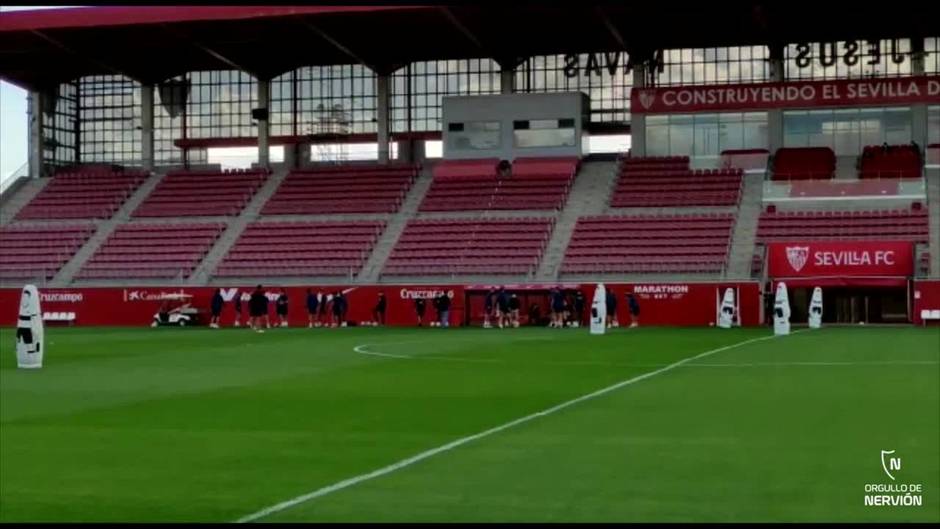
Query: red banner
[
  {"x": 841, "y": 259},
  {"x": 797, "y": 94},
  {"x": 686, "y": 304},
  {"x": 135, "y": 306}
]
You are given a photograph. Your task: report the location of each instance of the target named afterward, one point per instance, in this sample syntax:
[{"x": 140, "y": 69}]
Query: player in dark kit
[
  {"x": 634, "y": 305},
  {"x": 502, "y": 307},
  {"x": 443, "y": 310},
  {"x": 337, "y": 309},
  {"x": 420, "y": 306},
  {"x": 237, "y": 301},
  {"x": 216, "y": 307},
  {"x": 514, "y": 305},
  {"x": 488, "y": 308},
  {"x": 324, "y": 315},
  {"x": 312, "y": 305},
  {"x": 280, "y": 307},
  {"x": 557, "y": 299},
  {"x": 257, "y": 308},
  {"x": 378, "y": 313},
  {"x": 612, "y": 309},
  {"x": 579, "y": 308}
]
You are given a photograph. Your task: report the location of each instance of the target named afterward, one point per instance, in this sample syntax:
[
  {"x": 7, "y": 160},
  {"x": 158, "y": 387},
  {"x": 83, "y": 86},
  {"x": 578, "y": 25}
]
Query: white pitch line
[
  {"x": 361, "y": 349},
  {"x": 287, "y": 504},
  {"x": 792, "y": 364}
]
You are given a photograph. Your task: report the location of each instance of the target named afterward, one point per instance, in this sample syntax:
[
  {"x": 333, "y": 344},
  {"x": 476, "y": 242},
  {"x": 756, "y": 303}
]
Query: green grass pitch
[{"x": 213, "y": 425}]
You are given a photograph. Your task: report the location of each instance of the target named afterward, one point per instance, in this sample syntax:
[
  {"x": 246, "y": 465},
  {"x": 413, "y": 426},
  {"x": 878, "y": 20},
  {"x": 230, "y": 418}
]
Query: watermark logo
[
  {"x": 889, "y": 464},
  {"x": 893, "y": 494}
]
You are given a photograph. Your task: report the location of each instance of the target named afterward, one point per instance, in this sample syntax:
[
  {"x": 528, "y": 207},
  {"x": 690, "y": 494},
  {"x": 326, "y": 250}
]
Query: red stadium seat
[
  {"x": 449, "y": 247},
  {"x": 82, "y": 195},
  {"x": 649, "y": 244},
  {"x": 301, "y": 249},
  {"x": 152, "y": 251},
  {"x": 343, "y": 189},
  {"x": 668, "y": 182},
  {"x": 38, "y": 252},
  {"x": 836, "y": 225},
  {"x": 202, "y": 193},
  {"x": 804, "y": 163},
  {"x": 535, "y": 184},
  {"x": 897, "y": 161}
]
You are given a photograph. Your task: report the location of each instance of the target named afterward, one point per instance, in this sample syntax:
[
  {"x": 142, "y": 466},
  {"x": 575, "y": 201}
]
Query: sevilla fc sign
[
  {"x": 798, "y": 94},
  {"x": 828, "y": 259}
]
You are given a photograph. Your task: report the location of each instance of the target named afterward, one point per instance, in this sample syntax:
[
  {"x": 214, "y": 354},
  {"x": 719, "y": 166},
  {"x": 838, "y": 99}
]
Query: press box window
[
  {"x": 544, "y": 133},
  {"x": 477, "y": 135}
]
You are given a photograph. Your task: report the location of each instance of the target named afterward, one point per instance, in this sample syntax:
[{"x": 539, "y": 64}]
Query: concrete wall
[{"x": 510, "y": 107}]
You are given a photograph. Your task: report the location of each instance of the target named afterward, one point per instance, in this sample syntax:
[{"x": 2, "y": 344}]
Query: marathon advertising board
[
  {"x": 681, "y": 304},
  {"x": 795, "y": 94},
  {"x": 841, "y": 259}
]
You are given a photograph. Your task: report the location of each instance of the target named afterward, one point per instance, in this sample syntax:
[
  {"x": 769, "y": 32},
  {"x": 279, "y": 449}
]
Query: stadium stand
[
  {"x": 669, "y": 182},
  {"x": 804, "y": 163},
  {"x": 152, "y": 251},
  {"x": 31, "y": 252},
  {"x": 895, "y": 161},
  {"x": 903, "y": 225},
  {"x": 445, "y": 247},
  {"x": 300, "y": 249},
  {"x": 535, "y": 184},
  {"x": 202, "y": 193},
  {"x": 82, "y": 195},
  {"x": 344, "y": 189},
  {"x": 696, "y": 243}
]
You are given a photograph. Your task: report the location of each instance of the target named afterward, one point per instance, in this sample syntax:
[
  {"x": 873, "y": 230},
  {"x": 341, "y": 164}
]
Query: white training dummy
[
  {"x": 726, "y": 313},
  {"x": 815, "y": 309},
  {"x": 782, "y": 310},
  {"x": 599, "y": 310},
  {"x": 29, "y": 331}
]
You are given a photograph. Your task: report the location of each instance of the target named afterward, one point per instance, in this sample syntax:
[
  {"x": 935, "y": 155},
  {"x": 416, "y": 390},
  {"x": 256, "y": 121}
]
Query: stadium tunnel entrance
[
  {"x": 865, "y": 300},
  {"x": 534, "y": 303}
]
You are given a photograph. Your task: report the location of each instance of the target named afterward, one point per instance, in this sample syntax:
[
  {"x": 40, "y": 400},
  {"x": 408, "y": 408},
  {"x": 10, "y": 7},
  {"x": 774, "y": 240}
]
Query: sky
[{"x": 13, "y": 127}]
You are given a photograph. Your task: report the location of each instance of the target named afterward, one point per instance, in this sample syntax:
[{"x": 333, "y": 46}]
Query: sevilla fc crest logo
[
  {"x": 797, "y": 256},
  {"x": 647, "y": 97}
]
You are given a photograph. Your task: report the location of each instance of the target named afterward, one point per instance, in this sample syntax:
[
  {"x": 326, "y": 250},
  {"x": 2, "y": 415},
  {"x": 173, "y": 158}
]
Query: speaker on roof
[
  {"x": 260, "y": 114},
  {"x": 173, "y": 95},
  {"x": 50, "y": 100}
]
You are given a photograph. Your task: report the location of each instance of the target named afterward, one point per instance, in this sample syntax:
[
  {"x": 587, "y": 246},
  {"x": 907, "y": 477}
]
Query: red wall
[
  {"x": 137, "y": 305},
  {"x": 926, "y": 296},
  {"x": 691, "y": 304}
]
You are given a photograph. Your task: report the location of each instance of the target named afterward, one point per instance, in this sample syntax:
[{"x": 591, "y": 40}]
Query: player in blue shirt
[{"x": 612, "y": 309}]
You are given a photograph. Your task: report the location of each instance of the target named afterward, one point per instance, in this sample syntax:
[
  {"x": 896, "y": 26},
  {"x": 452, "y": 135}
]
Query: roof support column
[
  {"x": 146, "y": 127},
  {"x": 775, "y": 115},
  {"x": 638, "y": 120},
  {"x": 918, "y": 110},
  {"x": 34, "y": 112},
  {"x": 264, "y": 125},
  {"x": 507, "y": 80},
  {"x": 917, "y": 56},
  {"x": 381, "y": 116}
]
